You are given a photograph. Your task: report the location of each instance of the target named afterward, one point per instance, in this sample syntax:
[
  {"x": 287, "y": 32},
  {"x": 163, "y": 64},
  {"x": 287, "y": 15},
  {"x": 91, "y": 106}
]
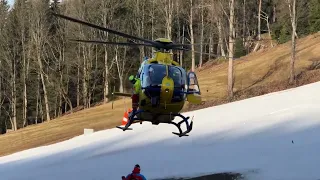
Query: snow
[{"x": 270, "y": 137}]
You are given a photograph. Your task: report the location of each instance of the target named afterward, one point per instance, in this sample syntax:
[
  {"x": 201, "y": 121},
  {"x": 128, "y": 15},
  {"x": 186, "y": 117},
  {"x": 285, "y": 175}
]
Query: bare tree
[
  {"x": 168, "y": 8},
  {"x": 259, "y": 27},
  {"x": 8, "y": 60},
  {"x": 14, "y": 95},
  {"x": 266, "y": 18},
  {"x": 292, "y": 8},
  {"x": 21, "y": 15},
  {"x": 191, "y": 36},
  {"x": 231, "y": 49},
  {"x": 201, "y": 35},
  {"x": 39, "y": 32},
  {"x": 217, "y": 13},
  {"x": 292, "y": 14},
  {"x": 139, "y": 15},
  {"x": 120, "y": 62},
  {"x": 244, "y": 22}
]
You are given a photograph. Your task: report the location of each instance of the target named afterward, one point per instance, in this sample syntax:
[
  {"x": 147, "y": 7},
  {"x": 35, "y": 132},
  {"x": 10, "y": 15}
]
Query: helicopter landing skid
[
  {"x": 130, "y": 121},
  {"x": 178, "y": 125}
]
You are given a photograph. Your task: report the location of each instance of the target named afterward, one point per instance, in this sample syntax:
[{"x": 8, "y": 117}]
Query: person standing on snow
[
  {"x": 136, "y": 89},
  {"x": 135, "y": 175}
]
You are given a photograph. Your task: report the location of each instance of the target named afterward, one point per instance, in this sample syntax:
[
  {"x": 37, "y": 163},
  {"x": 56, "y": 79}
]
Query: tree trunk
[
  {"x": 293, "y": 37},
  {"x": 221, "y": 38},
  {"x": 60, "y": 96},
  {"x": 244, "y": 23},
  {"x": 266, "y": 18},
  {"x": 78, "y": 76},
  {"x": 14, "y": 97},
  {"x": 210, "y": 43},
  {"x": 152, "y": 20},
  {"x": 24, "y": 81},
  {"x": 120, "y": 68},
  {"x": 85, "y": 79},
  {"x": 259, "y": 27},
  {"x": 259, "y": 20},
  {"x": 181, "y": 52},
  {"x": 139, "y": 23},
  {"x": 274, "y": 17},
  {"x": 231, "y": 50},
  {"x": 45, "y": 94},
  {"x": 192, "y": 37},
  {"x": 106, "y": 75},
  {"x": 291, "y": 9},
  {"x": 169, "y": 12},
  {"x": 201, "y": 36},
  {"x": 106, "y": 64},
  {"x": 38, "y": 99},
  {"x": 66, "y": 98}
]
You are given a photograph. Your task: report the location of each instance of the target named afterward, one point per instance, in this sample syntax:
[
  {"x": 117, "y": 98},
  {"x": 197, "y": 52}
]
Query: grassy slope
[
  {"x": 259, "y": 68},
  {"x": 256, "y": 69}
]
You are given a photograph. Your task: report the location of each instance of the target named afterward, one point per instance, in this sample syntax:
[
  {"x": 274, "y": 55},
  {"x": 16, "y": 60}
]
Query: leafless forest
[{"x": 44, "y": 75}]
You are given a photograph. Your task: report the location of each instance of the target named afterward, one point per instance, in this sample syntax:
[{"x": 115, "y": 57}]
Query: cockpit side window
[{"x": 178, "y": 75}]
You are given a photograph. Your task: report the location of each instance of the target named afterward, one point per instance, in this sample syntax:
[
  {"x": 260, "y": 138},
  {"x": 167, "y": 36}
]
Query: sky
[{"x": 11, "y": 2}]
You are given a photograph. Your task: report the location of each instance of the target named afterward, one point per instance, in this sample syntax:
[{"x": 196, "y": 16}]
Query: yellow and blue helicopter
[{"x": 165, "y": 85}]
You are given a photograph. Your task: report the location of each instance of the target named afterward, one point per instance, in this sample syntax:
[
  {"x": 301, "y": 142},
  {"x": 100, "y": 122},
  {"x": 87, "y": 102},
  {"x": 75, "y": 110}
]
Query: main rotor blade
[
  {"x": 113, "y": 43},
  {"x": 107, "y": 30},
  {"x": 185, "y": 47},
  {"x": 176, "y": 45}
]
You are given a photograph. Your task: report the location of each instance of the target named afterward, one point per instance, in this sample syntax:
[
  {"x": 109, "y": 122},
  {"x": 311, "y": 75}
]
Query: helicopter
[{"x": 165, "y": 85}]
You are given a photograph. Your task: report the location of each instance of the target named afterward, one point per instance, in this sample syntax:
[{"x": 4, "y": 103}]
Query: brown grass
[
  {"x": 98, "y": 118},
  {"x": 259, "y": 68},
  {"x": 256, "y": 74}
]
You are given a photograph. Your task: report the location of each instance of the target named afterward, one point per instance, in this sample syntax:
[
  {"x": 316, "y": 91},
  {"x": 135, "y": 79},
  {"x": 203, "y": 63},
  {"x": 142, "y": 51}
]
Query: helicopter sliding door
[{"x": 193, "y": 91}]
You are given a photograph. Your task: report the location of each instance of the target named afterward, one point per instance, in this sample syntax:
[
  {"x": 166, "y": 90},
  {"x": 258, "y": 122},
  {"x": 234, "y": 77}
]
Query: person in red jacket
[{"x": 135, "y": 175}]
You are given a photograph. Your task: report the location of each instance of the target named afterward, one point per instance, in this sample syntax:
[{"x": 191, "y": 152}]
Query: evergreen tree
[
  {"x": 240, "y": 50},
  {"x": 314, "y": 16},
  {"x": 302, "y": 17},
  {"x": 4, "y": 7}
]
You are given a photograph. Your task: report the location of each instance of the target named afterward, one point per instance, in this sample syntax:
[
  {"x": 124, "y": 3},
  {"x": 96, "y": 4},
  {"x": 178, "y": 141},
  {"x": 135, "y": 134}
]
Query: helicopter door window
[
  {"x": 176, "y": 74},
  {"x": 179, "y": 77},
  {"x": 193, "y": 85}
]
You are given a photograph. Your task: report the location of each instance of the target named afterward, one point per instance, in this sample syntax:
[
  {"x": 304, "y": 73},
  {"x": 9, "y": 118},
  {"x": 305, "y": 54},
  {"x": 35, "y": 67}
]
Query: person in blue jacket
[{"x": 135, "y": 175}]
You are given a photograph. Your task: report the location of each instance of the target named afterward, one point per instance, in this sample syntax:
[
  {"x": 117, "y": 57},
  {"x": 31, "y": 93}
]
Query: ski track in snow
[{"x": 270, "y": 137}]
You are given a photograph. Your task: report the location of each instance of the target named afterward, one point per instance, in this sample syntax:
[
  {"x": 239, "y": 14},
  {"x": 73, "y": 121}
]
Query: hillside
[
  {"x": 262, "y": 72},
  {"x": 257, "y": 73},
  {"x": 270, "y": 137}
]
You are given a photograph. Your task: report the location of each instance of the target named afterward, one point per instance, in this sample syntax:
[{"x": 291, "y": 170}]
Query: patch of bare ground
[{"x": 217, "y": 176}]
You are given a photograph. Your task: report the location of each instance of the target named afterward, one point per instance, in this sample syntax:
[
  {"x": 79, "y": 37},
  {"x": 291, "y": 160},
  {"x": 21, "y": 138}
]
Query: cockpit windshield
[{"x": 153, "y": 74}]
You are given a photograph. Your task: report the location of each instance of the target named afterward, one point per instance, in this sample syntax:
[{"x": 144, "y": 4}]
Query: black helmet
[{"x": 137, "y": 165}]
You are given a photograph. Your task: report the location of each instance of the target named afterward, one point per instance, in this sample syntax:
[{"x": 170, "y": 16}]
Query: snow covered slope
[{"x": 276, "y": 136}]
